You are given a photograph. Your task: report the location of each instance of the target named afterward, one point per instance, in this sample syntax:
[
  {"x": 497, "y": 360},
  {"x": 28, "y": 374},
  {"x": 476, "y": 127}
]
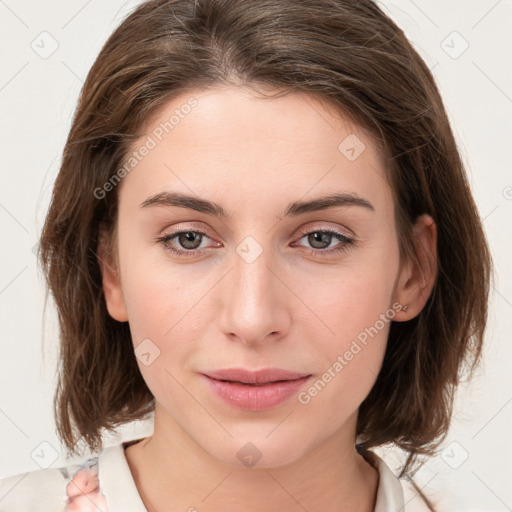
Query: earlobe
[
  {"x": 111, "y": 282},
  {"x": 417, "y": 279}
]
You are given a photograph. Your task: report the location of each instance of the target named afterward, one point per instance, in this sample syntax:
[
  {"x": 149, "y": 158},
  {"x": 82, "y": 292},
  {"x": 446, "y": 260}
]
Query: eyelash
[{"x": 346, "y": 242}]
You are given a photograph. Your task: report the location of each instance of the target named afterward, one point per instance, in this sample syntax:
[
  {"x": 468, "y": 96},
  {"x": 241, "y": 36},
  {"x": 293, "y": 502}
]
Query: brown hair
[{"x": 347, "y": 52}]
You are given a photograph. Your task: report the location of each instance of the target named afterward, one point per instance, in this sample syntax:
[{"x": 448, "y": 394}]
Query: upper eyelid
[
  {"x": 339, "y": 231},
  {"x": 342, "y": 231}
]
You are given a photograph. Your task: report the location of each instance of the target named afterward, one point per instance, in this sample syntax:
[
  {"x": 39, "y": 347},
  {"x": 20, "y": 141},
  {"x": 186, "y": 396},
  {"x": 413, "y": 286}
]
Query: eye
[
  {"x": 190, "y": 241},
  {"x": 321, "y": 239}
]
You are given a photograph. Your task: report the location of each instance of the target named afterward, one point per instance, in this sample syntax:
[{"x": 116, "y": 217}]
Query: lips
[
  {"x": 258, "y": 377},
  {"x": 255, "y": 390}
]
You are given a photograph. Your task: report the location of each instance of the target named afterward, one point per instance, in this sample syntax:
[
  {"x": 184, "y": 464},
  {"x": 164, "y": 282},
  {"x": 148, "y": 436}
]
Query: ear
[
  {"x": 110, "y": 280},
  {"x": 418, "y": 276}
]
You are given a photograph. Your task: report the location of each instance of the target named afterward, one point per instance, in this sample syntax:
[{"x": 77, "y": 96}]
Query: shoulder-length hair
[{"x": 347, "y": 52}]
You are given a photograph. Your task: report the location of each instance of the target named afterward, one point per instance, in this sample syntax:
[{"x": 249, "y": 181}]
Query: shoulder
[{"x": 74, "y": 487}]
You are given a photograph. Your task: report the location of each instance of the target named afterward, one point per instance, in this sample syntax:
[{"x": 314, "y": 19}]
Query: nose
[{"x": 255, "y": 301}]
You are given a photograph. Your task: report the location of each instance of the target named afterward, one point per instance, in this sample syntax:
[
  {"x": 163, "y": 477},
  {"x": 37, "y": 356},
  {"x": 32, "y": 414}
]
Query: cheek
[
  {"x": 151, "y": 305},
  {"x": 168, "y": 307},
  {"x": 163, "y": 333},
  {"x": 355, "y": 297},
  {"x": 158, "y": 295},
  {"x": 358, "y": 309},
  {"x": 356, "y": 305},
  {"x": 351, "y": 358}
]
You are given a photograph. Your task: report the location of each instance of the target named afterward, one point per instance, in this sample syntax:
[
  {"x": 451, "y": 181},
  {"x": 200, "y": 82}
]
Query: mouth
[
  {"x": 254, "y": 384},
  {"x": 255, "y": 391},
  {"x": 255, "y": 377}
]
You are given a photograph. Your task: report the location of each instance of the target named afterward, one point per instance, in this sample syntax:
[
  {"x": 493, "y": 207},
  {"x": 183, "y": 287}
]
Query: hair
[{"x": 346, "y": 52}]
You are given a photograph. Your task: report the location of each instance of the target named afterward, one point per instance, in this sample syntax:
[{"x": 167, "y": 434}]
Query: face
[{"x": 271, "y": 283}]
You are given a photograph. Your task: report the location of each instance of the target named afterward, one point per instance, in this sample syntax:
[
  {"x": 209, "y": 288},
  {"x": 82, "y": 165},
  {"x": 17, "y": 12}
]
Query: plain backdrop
[{"x": 47, "y": 49}]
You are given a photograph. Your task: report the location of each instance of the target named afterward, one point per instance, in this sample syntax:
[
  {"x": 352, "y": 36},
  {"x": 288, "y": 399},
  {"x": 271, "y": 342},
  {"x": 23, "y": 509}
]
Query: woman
[{"x": 259, "y": 234}]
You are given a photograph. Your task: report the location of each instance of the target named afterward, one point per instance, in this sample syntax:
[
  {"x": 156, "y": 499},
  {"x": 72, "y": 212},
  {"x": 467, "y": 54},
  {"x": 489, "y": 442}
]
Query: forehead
[{"x": 227, "y": 141}]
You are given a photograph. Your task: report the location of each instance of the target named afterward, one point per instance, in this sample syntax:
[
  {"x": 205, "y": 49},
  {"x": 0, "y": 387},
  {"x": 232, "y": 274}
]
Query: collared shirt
[{"x": 105, "y": 483}]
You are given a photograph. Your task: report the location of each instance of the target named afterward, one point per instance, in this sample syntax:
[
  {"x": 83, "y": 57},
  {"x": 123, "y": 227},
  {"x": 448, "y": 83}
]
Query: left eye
[
  {"x": 190, "y": 242},
  {"x": 321, "y": 240}
]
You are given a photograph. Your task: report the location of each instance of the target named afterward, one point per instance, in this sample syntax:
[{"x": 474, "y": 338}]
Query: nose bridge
[{"x": 254, "y": 304}]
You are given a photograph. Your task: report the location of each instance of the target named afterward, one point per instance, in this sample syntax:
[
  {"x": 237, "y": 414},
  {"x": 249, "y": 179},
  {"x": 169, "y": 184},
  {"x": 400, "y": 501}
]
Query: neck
[{"x": 173, "y": 473}]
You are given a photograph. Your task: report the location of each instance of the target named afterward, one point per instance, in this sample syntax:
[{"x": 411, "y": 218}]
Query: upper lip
[{"x": 254, "y": 377}]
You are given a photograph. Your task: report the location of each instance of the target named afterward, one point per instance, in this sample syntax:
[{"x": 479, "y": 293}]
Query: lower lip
[{"x": 256, "y": 398}]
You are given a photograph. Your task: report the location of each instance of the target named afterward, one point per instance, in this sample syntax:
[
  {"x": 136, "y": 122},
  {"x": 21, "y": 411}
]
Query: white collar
[{"x": 390, "y": 495}]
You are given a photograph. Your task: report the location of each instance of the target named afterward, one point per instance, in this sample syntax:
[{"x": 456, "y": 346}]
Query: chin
[{"x": 256, "y": 451}]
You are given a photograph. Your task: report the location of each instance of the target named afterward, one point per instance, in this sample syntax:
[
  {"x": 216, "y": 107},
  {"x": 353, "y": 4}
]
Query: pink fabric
[{"x": 83, "y": 491}]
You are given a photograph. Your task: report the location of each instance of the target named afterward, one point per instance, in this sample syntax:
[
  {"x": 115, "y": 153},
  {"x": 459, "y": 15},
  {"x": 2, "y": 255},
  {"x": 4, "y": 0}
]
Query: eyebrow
[{"x": 294, "y": 209}]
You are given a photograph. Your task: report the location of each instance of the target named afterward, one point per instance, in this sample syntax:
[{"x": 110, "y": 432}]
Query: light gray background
[{"x": 38, "y": 93}]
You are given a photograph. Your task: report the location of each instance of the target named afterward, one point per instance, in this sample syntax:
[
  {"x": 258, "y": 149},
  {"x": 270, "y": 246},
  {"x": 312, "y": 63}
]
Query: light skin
[{"x": 214, "y": 310}]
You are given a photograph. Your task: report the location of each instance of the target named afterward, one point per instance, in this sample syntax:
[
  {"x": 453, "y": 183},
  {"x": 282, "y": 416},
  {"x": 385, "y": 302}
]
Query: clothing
[{"x": 105, "y": 483}]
